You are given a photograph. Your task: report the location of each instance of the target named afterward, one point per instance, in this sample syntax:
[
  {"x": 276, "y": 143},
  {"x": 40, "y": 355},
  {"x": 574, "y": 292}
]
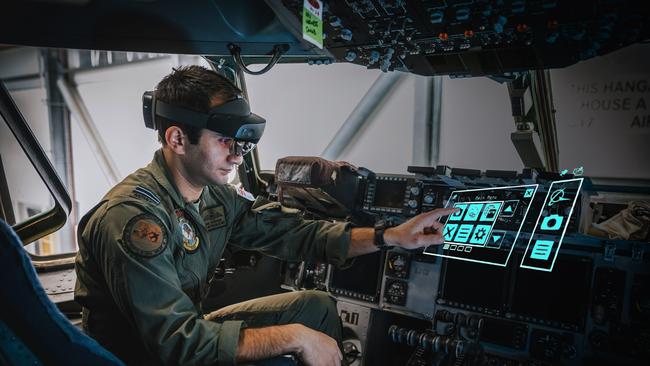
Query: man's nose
[{"x": 235, "y": 159}]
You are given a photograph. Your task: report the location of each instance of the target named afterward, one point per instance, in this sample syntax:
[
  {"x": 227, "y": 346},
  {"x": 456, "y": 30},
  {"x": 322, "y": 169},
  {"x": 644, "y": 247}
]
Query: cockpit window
[
  {"x": 24, "y": 195},
  {"x": 105, "y": 138},
  {"x": 598, "y": 102}
]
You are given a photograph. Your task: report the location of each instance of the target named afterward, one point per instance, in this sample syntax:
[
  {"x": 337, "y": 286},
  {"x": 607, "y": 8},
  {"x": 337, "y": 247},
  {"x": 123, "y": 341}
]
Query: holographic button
[
  {"x": 473, "y": 211},
  {"x": 449, "y": 230},
  {"x": 463, "y": 233},
  {"x": 480, "y": 234},
  {"x": 458, "y": 215},
  {"x": 542, "y": 249},
  {"x": 490, "y": 211}
]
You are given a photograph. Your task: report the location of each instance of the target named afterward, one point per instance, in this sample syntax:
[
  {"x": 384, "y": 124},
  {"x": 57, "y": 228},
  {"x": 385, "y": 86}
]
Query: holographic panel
[
  {"x": 487, "y": 225},
  {"x": 546, "y": 239}
]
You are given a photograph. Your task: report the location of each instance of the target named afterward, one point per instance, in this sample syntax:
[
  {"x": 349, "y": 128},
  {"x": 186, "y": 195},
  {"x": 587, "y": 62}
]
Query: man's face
[{"x": 210, "y": 162}]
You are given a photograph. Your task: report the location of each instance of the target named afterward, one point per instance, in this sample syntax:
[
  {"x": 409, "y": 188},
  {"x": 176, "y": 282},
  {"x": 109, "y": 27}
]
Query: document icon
[{"x": 542, "y": 249}]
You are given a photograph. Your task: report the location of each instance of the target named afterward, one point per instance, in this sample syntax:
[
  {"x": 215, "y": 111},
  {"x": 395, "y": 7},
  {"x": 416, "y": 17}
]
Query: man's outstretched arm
[
  {"x": 421, "y": 230},
  {"x": 312, "y": 347}
]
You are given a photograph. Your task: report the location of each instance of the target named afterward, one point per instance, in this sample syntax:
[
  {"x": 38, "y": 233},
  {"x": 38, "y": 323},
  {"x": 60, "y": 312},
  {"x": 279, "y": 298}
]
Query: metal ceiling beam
[
  {"x": 361, "y": 113},
  {"x": 76, "y": 104}
]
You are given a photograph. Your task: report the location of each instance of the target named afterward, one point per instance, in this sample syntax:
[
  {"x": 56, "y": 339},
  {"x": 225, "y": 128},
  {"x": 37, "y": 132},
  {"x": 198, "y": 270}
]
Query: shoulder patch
[
  {"x": 145, "y": 236},
  {"x": 244, "y": 193},
  {"x": 146, "y": 194}
]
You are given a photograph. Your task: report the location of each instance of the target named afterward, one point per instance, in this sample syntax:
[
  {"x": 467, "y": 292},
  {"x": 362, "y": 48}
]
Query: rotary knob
[
  {"x": 428, "y": 199},
  {"x": 413, "y": 203},
  {"x": 415, "y": 191}
]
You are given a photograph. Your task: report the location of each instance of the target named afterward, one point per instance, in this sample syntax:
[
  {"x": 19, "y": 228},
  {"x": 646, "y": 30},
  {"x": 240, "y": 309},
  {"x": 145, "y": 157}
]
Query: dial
[
  {"x": 397, "y": 265},
  {"x": 396, "y": 292}
]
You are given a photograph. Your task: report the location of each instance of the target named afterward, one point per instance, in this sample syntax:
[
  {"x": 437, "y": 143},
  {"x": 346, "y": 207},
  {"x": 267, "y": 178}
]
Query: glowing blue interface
[
  {"x": 552, "y": 222},
  {"x": 487, "y": 224}
]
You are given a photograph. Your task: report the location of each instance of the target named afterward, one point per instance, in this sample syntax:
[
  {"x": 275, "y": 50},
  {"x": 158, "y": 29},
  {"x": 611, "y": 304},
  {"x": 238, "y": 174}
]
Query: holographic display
[
  {"x": 546, "y": 239},
  {"x": 487, "y": 224}
]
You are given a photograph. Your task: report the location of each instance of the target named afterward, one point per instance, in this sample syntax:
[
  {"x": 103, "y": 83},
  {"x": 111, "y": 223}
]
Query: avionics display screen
[
  {"x": 468, "y": 284},
  {"x": 560, "y": 297},
  {"x": 363, "y": 277},
  {"x": 487, "y": 225},
  {"x": 389, "y": 194}
]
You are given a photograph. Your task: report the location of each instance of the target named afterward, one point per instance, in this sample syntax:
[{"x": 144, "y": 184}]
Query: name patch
[{"x": 214, "y": 217}]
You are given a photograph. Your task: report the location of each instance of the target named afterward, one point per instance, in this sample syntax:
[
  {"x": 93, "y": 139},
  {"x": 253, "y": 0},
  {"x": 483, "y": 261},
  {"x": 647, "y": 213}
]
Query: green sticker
[{"x": 312, "y": 22}]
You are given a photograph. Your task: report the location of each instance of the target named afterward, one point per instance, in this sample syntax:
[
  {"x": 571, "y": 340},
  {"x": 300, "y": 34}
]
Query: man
[{"x": 149, "y": 249}]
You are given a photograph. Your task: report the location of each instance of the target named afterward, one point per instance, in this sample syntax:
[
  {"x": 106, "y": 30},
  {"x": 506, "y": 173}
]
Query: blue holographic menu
[
  {"x": 487, "y": 224},
  {"x": 552, "y": 223}
]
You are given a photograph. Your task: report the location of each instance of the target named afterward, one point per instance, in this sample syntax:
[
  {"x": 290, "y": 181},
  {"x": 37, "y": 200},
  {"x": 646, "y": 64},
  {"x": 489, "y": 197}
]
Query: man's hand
[
  {"x": 421, "y": 230},
  {"x": 318, "y": 349},
  {"x": 314, "y": 348}
]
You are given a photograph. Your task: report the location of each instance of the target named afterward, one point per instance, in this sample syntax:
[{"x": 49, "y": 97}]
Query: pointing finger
[{"x": 440, "y": 212}]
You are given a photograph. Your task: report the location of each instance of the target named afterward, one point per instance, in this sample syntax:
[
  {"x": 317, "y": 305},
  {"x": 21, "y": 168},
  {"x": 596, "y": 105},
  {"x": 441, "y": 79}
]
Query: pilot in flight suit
[
  {"x": 146, "y": 259},
  {"x": 149, "y": 249}
]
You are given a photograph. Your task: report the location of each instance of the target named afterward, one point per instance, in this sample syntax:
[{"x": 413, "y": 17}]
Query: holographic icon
[
  {"x": 529, "y": 192},
  {"x": 480, "y": 235},
  {"x": 463, "y": 233},
  {"x": 456, "y": 216},
  {"x": 472, "y": 211},
  {"x": 496, "y": 237},
  {"x": 557, "y": 196},
  {"x": 564, "y": 172},
  {"x": 552, "y": 222},
  {"x": 509, "y": 208},
  {"x": 449, "y": 231},
  {"x": 490, "y": 211},
  {"x": 542, "y": 249},
  {"x": 578, "y": 171}
]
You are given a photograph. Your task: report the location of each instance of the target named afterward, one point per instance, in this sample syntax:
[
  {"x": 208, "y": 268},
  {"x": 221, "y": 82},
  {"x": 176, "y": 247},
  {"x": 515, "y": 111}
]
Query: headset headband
[{"x": 231, "y": 119}]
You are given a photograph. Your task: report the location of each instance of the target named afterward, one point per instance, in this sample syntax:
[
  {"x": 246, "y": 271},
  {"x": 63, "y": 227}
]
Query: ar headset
[{"x": 231, "y": 119}]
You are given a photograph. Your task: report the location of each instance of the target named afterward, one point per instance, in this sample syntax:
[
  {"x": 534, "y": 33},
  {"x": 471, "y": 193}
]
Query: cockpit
[{"x": 530, "y": 118}]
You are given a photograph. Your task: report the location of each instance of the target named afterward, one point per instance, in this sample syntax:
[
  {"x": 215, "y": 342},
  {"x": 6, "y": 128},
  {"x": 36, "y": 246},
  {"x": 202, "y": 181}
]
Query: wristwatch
[{"x": 380, "y": 228}]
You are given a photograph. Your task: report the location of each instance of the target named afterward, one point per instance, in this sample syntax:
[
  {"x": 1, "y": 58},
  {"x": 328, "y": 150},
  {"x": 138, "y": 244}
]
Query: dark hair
[{"x": 191, "y": 87}]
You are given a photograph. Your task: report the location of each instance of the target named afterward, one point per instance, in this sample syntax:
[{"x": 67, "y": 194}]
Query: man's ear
[{"x": 175, "y": 139}]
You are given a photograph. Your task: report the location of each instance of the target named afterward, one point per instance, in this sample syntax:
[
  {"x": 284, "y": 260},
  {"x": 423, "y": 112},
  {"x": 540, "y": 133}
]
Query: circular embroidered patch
[
  {"x": 190, "y": 239},
  {"x": 145, "y": 236}
]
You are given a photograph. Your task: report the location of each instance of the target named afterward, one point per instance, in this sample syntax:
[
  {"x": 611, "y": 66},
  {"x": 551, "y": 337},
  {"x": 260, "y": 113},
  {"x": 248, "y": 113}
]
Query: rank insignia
[
  {"x": 244, "y": 193},
  {"x": 191, "y": 240},
  {"x": 145, "y": 236}
]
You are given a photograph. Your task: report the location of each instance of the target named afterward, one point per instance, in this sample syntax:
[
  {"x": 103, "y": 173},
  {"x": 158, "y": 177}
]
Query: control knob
[{"x": 346, "y": 34}]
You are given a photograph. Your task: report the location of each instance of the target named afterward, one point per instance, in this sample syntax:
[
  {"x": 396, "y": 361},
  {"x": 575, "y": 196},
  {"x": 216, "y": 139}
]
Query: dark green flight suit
[{"x": 146, "y": 259}]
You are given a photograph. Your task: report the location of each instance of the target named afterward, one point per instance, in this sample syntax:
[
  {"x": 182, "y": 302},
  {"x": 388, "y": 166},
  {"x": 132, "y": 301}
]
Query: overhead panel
[{"x": 475, "y": 37}]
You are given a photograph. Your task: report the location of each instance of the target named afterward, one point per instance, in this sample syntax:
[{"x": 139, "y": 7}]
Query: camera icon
[{"x": 552, "y": 222}]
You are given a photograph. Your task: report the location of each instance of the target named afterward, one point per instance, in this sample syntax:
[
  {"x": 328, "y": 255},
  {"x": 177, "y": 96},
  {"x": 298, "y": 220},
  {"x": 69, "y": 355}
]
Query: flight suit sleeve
[
  {"x": 137, "y": 260},
  {"x": 282, "y": 232}
]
